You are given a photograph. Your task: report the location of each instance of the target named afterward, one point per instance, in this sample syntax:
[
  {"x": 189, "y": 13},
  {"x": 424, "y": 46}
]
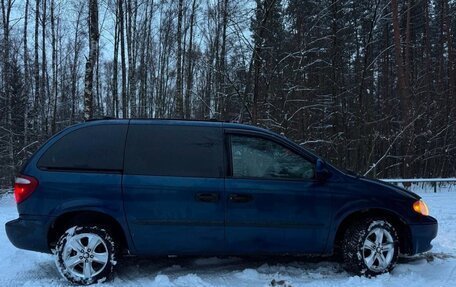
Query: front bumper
[
  {"x": 28, "y": 233},
  {"x": 422, "y": 234}
]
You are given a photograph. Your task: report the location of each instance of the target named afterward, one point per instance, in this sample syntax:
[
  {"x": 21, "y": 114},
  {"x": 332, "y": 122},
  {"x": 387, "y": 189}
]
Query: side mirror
[{"x": 321, "y": 173}]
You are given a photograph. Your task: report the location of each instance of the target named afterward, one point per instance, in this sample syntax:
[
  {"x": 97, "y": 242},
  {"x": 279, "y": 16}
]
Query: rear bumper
[
  {"x": 422, "y": 234},
  {"x": 28, "y": 233}
]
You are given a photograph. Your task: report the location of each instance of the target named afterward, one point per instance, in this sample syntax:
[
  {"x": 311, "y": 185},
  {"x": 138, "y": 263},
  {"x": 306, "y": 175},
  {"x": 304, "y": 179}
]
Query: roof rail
[
  {"x": 101, "y": 119},
  {"x": 177, "y": 119},
  {"x": 160, "y": 119}
]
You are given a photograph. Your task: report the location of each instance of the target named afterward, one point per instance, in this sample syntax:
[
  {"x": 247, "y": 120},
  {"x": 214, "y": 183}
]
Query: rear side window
[
  {"x": 174, "y": 151},
  {"x": 97, "y": 148}
]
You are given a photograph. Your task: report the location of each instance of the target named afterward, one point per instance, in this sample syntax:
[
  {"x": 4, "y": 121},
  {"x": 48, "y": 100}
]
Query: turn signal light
[{"x": 421, "y": 208}]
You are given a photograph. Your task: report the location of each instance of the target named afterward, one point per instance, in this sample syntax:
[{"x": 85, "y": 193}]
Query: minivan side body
[{"x": 175, "y": 187}]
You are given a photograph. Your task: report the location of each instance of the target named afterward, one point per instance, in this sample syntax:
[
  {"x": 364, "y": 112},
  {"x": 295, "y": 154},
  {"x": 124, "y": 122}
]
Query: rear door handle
[
  {"x": 240, "y": 198},
  {"x": 207, "y": 197}
]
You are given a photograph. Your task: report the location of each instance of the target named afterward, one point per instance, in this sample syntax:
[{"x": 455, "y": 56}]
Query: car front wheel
[
  {"x": 370, "y": 247},
  {"x": 86, "y": 254}
]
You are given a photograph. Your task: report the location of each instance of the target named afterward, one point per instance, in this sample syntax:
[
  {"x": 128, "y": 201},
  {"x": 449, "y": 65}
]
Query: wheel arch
[
  {"x": 88, "y": 217},
  {"x": 396, "y": 220}
]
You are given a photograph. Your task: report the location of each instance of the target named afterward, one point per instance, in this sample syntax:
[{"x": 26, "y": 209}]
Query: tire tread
[
  {"x": 353, "y": 240},
  {"x": 101, "y": 231}
]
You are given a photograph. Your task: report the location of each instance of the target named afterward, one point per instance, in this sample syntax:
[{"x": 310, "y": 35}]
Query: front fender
[{"x": 360, "y": 205}]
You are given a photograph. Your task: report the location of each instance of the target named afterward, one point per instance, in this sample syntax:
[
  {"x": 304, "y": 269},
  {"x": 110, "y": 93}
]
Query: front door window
[{"x": 254, "y": 157}]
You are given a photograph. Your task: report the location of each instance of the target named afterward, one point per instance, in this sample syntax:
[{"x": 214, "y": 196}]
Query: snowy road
[{"x": 438, "y": 268}]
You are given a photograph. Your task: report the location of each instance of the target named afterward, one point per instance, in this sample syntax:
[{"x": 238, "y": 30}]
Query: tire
[
  {"x": 85, "y": 255},
  {"x": 370, "y": 247}
]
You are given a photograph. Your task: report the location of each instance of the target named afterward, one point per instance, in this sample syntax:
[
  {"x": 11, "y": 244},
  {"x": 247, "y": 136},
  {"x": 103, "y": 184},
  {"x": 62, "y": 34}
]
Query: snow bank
[
  {"x": 426, "y": 185},
  {"x": 429, "y": 188}
]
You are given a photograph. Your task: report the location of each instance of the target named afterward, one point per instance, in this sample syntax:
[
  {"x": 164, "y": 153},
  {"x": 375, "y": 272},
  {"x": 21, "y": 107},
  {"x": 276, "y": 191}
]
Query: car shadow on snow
[
  {"x": 428, "y": 256},
  {"x": 132, "y": 268},
  {"x": 272, "y": 269}
]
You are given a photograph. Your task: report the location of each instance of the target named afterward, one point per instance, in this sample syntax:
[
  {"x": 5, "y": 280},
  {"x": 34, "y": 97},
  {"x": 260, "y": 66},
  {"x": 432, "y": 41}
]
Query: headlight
[{"x": 421, "y": 207}]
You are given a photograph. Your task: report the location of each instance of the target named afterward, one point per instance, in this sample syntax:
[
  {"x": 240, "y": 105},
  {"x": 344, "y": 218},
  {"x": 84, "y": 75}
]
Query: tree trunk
[
  {"x": 179, "y": 96},
  {"x": 130, "y": 20},
  {"x": 74, "y": 67},
  {"x": 402, "y": 88},
  {"x": 36, "y": 69},
  {"x": 6, "y": 89},
  {"x": 222, "y": 72},
  {"x": 54, "y": 69},
  {"x": 115, "y": 99},
  {"x": 398, "y": 52},
  {"x": 189, "y": 81},
  {"x": 143, "y": 71},
  {"x": 43, "y": 79},
  {"x": 260, "y": 29},
  {"x": 91, "y": 60},
  {"x": 122, "y": 60},
  {"x": 451, "y": 55},
  {"x": 26, "y": 74}
]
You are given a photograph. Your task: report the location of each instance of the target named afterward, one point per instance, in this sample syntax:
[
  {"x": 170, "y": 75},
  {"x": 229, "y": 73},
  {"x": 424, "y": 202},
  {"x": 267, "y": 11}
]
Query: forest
[{"x": 370, "y": 85}]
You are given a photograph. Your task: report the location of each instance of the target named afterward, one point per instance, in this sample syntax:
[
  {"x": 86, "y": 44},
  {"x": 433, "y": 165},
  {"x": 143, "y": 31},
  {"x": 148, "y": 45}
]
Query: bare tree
[
  {"x": 26, "y": 71},
  {"x": 130, "y": 27},
  {"x": 7, "y": 81},
  {"x": 54, "y": 68},
  {"x": 115, "y": 98},
  {"x": 75, "y": 63},
  {"x": 368, "y": 84},
  {"x": 122, "y": 59},
  {"x": 91, "y": 59},
  {"x": 179, "y": 95},
  {"x": 36, "y": 68},
  {"x": 189, "y": 80},
  {"x": 44, "y": 78}
]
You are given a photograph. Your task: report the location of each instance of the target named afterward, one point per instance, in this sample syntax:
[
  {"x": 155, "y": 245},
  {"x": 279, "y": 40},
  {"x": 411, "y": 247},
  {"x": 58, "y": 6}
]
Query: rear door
[
  {"x": 173, "y": 184},
  {"x": 274, "y": 203}
]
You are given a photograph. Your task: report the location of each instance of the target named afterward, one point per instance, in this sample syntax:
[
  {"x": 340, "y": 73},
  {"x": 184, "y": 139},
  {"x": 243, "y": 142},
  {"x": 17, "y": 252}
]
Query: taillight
[{"x": 23, "y": 187}]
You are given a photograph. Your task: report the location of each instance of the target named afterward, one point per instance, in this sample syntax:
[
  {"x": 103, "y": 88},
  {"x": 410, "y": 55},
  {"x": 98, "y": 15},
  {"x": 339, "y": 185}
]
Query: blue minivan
[{"x": 104, "y": 188}]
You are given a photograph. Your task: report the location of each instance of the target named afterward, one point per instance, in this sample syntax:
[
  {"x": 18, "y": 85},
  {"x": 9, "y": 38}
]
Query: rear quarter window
[{"x": 98, "y": 148}]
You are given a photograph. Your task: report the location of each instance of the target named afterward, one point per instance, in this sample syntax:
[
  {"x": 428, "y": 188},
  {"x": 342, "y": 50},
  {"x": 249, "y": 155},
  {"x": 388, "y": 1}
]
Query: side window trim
[
  {"x": 238, "y": 132},
  {"x": 83, "y": 170},
  {"x": 228, "y": 154}
]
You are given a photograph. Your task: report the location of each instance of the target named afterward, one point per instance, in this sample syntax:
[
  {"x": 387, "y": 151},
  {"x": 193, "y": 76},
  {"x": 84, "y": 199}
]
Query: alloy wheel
[
  {"x": 85, "y": 255},
  {"x": 378, "y": 249}
]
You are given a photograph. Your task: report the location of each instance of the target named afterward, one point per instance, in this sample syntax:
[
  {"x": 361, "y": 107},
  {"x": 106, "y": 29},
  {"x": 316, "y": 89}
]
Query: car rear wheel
[
  {"x": 370, "y": 247},
  {"x": 86, "y": 255}
]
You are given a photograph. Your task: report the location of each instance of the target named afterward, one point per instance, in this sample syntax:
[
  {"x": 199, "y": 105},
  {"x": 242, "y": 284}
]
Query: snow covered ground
[{"x": 436, "y": 268}]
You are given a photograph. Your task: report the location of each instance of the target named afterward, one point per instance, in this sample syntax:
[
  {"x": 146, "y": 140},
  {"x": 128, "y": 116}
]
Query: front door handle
[
  {"x": 240, "y": 198},
  {"x": 207, "y": 197}
]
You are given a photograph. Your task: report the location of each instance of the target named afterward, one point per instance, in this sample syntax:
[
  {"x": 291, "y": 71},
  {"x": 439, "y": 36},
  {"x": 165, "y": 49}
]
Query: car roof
[{"x": 171, "y": 122}]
